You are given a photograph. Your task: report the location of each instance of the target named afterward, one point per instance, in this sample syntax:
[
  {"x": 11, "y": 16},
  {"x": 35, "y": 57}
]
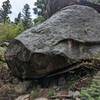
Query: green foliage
[
  {"x": 98, "y": 1},
  {"x": 27, "y": 21},
  {"x": 18, "y": 19},
  {"x": 39, "y": 20},
  {"x": 92, "y": 92},
  {"x": 40, "y": 11},
  {"x": 10, "y": 31},
  {"x": 34, "y": 94},
  {"x": 40, "y": 7},
  {"x": 51, "y": 92},
  {"x": 5, "y": 11}
]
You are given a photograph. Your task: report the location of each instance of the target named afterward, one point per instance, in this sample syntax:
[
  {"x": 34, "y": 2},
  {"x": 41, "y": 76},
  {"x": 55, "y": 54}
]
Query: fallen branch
[{"x": 61, "y": 97}]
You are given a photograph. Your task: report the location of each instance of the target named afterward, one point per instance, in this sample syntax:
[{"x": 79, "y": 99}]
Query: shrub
[
  {"x": 10, "y": 31},
  {"x": 39, "y": 20},
  {"x": 92, "y": 92}
]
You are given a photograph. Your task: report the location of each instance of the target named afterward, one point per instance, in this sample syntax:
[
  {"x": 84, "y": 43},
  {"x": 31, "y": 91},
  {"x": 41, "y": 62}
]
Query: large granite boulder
[
  {"x": 60, "y": 43},
  {"x": 55, "y": 5}
]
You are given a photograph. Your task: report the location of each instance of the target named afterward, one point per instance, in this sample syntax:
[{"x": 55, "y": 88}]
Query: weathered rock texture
[
  {"x": 69, "y": 36},
  {"x": 55, "y": 5}
]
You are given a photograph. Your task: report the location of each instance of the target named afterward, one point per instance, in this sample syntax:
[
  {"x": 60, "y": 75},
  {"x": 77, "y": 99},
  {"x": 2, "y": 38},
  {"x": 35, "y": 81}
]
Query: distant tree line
[
  {"x": 41, "y": 9},
  {"x": 9, "y": 29},
  {"x": 23, "y": 18}
]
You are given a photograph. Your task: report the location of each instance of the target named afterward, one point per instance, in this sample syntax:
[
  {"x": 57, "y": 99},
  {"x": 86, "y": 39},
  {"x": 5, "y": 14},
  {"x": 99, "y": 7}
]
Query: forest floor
[{"x": 83, "y": 84}]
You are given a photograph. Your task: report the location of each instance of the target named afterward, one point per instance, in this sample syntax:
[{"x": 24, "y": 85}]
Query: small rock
[
  {"x": 2, "y": 52},
  {"x": 76, "y": 94},
  {"x": 4, "y": 44},
  {"x": 24, "y": 97},
  {"x": 56, "y": 88},
  {"x": 70, "y": 93},
  {"x": 41, "y": 99},
  {"x": 77, "y": 99},
  {"x": 22, "y": 87},
  {"x": 15, "y": 81}
]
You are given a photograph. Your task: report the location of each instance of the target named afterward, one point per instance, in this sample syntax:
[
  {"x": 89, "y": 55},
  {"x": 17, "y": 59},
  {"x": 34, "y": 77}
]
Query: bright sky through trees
[{"x": 17, "y": 6}]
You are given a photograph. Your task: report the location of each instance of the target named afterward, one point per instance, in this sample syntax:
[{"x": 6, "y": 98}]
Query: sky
[{"x": 17, "y": 6}]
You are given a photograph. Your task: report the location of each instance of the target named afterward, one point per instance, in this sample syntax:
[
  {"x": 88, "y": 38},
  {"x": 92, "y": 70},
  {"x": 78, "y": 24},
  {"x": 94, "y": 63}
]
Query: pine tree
[
  {"x": 19, "y": 18},
  {"x": 5, "y": 11},
  {"x": 1, "y": 16},
  {"x": 27, "y": 21},
  {"x": 40, "y": 8}
]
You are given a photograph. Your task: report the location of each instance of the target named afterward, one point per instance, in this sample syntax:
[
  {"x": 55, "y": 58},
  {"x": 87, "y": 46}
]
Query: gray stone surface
[
  {"x": 23, "y": 97},
  {"x": 73, "y": 23},
  {"x": 69, "y": 36},
  {"x": 55, "y": 5}
]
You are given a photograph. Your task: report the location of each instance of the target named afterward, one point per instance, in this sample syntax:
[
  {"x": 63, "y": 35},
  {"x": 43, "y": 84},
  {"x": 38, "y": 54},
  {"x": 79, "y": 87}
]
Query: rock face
[
  {"x": 55, "y": 5},
  {"x": 69, "y": 36}
]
